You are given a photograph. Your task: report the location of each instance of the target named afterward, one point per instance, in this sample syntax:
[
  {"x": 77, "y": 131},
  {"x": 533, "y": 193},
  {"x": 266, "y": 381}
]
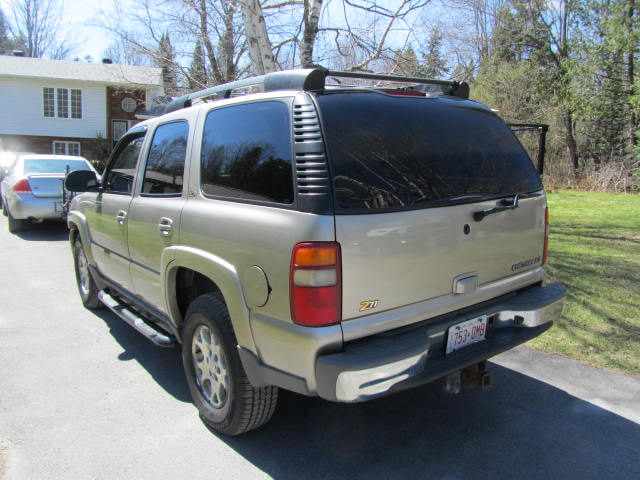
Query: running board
[{"x": 137, "y": 322}]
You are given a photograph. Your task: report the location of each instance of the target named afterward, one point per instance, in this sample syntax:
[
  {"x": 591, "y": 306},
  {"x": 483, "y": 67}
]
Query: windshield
[
  {"x": 53, "y": 166},
  {"x": 400, "y": 153}
]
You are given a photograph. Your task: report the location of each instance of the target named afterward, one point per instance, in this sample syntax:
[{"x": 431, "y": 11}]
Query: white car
[{"x": 33, "y": 190}]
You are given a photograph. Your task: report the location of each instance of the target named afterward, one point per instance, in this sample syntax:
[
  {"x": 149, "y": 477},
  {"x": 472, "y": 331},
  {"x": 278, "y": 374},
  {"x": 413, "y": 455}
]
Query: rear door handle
[
  {"x": 165, "y": 226},
  {"x": 121, "y": 217}
]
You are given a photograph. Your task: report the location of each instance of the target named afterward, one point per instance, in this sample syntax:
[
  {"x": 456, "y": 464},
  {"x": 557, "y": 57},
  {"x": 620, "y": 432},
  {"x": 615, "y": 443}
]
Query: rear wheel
[
  {"x": 86, "y": 286},
  {"x": 14, "y": 224},
  {"x": 220, "y": 389}
]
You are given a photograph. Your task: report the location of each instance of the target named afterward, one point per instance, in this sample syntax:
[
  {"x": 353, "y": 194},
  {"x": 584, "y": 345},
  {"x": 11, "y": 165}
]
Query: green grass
[{"x": 594, "y": 248}]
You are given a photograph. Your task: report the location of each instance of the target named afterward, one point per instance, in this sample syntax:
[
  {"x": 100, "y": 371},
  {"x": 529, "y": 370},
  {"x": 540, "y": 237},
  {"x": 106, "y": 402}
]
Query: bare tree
[
  {"x": 258, "y": 41},
  {"x": 37, "y": 23},
  {"x": 311, "y": 19}
]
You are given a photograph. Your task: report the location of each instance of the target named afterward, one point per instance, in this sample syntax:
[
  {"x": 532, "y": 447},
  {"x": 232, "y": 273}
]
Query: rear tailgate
[
  {"x": 408, "y": 175},
  {"x": 46, "y": 185},
  {"x": 405, "y": 257}
]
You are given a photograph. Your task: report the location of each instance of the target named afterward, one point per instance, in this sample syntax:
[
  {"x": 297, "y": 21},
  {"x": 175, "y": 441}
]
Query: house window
[
  {"x": 76, "y": 103},
  {"x": 62, "y": 102},
  {"x": 49, "y": 101},
  {"x": 66, "y": 148},
  {"x": 118, "y": 129}
]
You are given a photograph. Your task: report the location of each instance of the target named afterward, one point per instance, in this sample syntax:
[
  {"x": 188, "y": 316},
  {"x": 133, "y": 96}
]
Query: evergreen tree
[
  {"x": 197, "y": 72},
  {"x": 434, "y": 64},
  {"x": 407, "y": 62},
  {"x": 165, "y": 59}
]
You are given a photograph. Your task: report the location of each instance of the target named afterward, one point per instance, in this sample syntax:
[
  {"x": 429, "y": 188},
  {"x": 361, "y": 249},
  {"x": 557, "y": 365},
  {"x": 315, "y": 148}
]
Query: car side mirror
[{"x": 82, "y": 181}]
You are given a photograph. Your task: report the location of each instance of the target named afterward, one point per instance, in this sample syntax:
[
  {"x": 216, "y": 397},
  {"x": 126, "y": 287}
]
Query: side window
[
  {"x": 246, "y": 152},
  {"x": 122, "y": 169},
  {"x": 165, "y": 163}
]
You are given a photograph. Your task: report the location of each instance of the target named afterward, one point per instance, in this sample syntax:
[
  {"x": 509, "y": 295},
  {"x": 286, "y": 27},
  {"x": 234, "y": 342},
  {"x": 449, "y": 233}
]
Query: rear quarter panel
[{"x": 246, "y": 235}]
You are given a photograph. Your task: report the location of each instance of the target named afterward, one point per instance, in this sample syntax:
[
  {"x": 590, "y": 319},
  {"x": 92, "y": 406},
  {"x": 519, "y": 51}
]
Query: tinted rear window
[
  {"x": 53, "y": 166},
  {"x": 401, "y": 153},
  {"x": 246, "y": 152}
]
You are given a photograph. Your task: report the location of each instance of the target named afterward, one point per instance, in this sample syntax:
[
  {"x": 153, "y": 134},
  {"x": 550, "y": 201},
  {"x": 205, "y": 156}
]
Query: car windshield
[
  {"x": 401, "y": 153},
  {"x": 46, "y": 165}
]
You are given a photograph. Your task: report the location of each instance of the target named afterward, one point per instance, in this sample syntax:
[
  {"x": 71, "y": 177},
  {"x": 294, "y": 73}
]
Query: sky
[{"x": 80, "y": 19}]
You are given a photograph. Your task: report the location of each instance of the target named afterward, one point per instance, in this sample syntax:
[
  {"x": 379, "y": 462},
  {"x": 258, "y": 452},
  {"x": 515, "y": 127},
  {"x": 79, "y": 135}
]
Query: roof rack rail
[{"x": 312, "y": 79}]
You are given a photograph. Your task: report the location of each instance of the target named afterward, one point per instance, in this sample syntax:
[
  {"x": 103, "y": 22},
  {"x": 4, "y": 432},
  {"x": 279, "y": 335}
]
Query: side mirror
[{"x": 82, "y": 181}]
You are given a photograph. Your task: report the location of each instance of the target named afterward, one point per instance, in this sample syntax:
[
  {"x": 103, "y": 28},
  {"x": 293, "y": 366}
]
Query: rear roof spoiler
[{"x": 312, "y": 79}]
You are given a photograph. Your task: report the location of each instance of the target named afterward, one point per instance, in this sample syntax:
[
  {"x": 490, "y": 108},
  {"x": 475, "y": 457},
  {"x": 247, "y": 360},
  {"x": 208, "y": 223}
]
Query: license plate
[{"x": 465, "y": 333}]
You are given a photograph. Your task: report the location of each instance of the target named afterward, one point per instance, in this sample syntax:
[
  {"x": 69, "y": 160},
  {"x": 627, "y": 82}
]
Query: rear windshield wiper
[
  {"x": 505, "y": 204},
  {"x": 452, "y": 200}
]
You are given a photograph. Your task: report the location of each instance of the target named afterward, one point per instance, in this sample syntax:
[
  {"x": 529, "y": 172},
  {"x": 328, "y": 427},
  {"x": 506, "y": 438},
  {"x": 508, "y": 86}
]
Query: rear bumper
[
  {"x": 404, "y": 358},
  {"x": 24, "y": 206}
]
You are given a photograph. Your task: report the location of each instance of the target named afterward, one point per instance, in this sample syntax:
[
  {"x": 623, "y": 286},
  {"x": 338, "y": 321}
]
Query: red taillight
[
  {"x": 545, "y": 249},
  {"x": 316, "y": 284},
  {"x": 22, "y": 186}
]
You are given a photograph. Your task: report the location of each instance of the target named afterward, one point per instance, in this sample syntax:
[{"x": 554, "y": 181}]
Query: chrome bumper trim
[{"x": 378, "y": 366}]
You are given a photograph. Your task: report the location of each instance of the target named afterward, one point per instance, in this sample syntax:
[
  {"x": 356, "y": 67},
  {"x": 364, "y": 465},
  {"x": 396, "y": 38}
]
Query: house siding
[
  {"x": 114, "y": 106},
  {"x": 44, "y": 144},
  {"x": 22, "y": 110}
]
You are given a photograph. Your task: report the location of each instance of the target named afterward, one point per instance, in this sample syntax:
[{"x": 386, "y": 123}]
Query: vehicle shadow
[
  {"x": 45, "y": 232},
  {"x": 523, "y": 428},
  {"x": 163, "y": 364}
]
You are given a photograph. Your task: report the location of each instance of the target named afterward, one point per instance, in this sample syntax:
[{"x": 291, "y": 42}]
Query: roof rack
[{"x": 312, "y": 79}]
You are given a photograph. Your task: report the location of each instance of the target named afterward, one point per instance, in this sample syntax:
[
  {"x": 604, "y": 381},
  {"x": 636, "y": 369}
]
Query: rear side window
[
  {"x": 403, "y": 153},
  {"x": 163, "y": 173},
  {"x": 246, "y": 152}
]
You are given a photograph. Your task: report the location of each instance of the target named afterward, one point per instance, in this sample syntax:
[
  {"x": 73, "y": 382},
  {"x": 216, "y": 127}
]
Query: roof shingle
[{"x": 113, "y": 74}]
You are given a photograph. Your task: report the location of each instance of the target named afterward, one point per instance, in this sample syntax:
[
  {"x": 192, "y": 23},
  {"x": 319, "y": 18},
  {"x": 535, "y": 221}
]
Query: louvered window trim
[{"x": 312, "y": 174}]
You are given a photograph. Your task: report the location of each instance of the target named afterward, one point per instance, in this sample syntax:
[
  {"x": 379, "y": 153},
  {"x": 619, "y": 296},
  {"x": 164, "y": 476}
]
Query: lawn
[{"x": 594, "y": 248}]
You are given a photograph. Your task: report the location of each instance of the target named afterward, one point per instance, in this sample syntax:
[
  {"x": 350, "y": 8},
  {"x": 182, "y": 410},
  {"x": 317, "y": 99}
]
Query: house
[{"x": 73, "y": 108}]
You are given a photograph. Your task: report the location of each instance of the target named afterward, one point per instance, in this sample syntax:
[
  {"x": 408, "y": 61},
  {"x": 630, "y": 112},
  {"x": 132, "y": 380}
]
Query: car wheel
[
  {"x": 219, "y": 386},
  {"x": 86, "y": 285},
  {"x": 15, "y": 225}
]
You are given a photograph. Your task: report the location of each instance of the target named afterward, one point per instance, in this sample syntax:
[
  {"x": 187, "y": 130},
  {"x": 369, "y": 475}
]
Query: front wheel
[
  {"x": 219, "y": 386},
  {"x": 86, "y": 286}
]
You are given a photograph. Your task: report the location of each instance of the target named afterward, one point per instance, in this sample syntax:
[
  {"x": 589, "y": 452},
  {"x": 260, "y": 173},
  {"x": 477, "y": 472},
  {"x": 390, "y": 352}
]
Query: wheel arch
[
  {"x": 179, "y": 262},
  {"x": 77, "y": 224}
]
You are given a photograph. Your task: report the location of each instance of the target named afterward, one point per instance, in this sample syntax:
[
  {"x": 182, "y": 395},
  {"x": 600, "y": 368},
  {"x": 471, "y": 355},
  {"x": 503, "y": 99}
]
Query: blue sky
[{"x": 79, "y": 18}]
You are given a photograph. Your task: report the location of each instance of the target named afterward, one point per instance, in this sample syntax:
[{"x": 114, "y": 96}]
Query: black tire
[
  {"x": 246, "y": 407},
  {"x": 89, "y": 296},
  {"x": 15, "y": 225}
]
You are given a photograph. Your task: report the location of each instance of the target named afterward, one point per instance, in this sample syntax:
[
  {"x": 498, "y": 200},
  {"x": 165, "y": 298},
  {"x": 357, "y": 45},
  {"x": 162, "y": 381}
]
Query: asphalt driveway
[{"x": 84, "y": 396}]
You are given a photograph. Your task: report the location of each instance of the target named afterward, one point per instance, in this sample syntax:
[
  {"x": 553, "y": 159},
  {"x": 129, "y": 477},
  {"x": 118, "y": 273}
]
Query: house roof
[{"x": 113, "y": 74}]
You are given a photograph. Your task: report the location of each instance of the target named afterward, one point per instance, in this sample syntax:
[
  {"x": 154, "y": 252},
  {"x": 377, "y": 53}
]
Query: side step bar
[{"x": 156, "y": 336}]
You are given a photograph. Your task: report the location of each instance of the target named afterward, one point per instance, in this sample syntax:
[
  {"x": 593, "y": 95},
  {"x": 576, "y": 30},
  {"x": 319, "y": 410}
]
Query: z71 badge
[{"x": 368, "y": 305}]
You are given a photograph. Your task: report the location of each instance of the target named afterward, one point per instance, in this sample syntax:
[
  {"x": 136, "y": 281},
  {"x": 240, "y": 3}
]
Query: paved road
[{"x": 83, "y": 396}]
